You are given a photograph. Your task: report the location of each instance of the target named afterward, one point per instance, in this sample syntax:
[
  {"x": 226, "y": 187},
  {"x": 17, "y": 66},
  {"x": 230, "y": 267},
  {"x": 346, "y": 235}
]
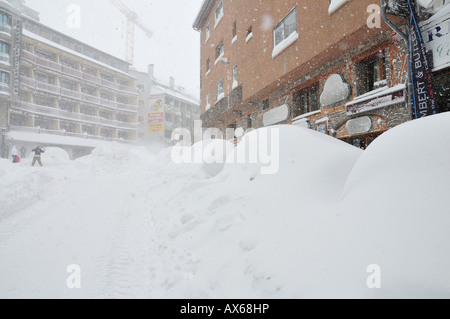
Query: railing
[
  {"x": 71, "y": 72},
  {"x": 90, "y": 98},
  {"x": 109, "y": 84},
  {"x": 5, "y": 57},
  {"x": 109, "y": 103},
  {"x": 78, "y": 117},
  {"x": 48, "y": 64},
  {"x": 128, "y": 107},
  {"x": 127, "y": 89},
  {"x": 30, "y": 57},
  {"x": 5, "y": 28},
  {"x": 49, "y": 88},
  {"x": 92, "y": 78},
  {"x": 4, "y": 88},
  {"x": 71, "y": 94}
]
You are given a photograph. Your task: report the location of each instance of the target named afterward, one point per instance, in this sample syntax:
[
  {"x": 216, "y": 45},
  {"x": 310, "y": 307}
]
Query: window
[
  {"x": 265, "y": 105},
  {"x": 249, "y": 34},
  {"x": 4, "y": 84},
  {"x": 208, "y": 32},
  {"x": 88, "y": 90},
  {"x": 5, "y": 22},
  {"x": 5, "y": 49},
  {"x": 306, "y": 101},
  {"x": 335, "y": 4},
  {"x": 219, "y": 50},
  {"x": 285, "y": 28},
  {"x": 219, "y": 13},
  {"x": 234, "y": 30},
  {"x": 220, "y": 93},
  {"x": 208, "y": 65},
  {"x": 371, "y": 74},
  {"x": 208, "y": 101},
  {"x": 235, "y": 77}
]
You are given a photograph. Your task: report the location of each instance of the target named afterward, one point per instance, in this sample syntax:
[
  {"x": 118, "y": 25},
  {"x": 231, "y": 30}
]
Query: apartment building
[
  {"x": 58, "y": 91},
  {"x": 163, "y": 107},
  {"x": 317, "y": 64}
]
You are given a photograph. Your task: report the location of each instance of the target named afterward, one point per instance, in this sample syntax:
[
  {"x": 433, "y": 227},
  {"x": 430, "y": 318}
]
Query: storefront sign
[
  {"x": 436, "y": 35},
  {"x": 424, "y": 103},
  {"x": 277, "y": 115},
  {"x": 380, "y": 98},
  {"x": 359, "y": 125},
  {"x": 156, "y": 116}
]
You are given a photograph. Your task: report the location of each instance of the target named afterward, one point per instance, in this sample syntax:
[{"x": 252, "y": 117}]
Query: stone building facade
[{"x": 334, "y": 67}]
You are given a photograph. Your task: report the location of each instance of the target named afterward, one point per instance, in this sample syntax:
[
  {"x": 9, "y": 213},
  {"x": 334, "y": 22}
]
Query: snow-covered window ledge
[
  {"x": 283, "y": 45},
  {"x": 219, "y": 58},
  {"x": 234, "y": 39},
  {"x": 235, "y": 85},
  {"x": 249, "y": 37},
  {"x": 335, "y": 5},
  {"x": 207, "y": 107},
  {"x": 208, "y": 72},
  {"x": 220, "y": 97}
]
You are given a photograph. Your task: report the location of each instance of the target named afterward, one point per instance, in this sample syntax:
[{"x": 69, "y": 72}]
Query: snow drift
[{"x": 141, "y": 226}]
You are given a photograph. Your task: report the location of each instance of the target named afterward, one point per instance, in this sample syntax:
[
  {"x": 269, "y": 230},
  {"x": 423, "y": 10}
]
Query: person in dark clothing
[{"x": 37, "y": 155}]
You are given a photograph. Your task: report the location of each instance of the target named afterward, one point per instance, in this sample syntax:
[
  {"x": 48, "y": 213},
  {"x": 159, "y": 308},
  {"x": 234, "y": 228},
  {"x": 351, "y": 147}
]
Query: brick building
[
  {"x": 58, "y": 91},
  {"x": 180, "y": 108},
  {"x": 316, "y": 64}
]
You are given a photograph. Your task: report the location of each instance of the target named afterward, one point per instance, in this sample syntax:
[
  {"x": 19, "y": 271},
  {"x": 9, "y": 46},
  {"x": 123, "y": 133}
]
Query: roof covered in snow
[{"x": 203, "y": 13}]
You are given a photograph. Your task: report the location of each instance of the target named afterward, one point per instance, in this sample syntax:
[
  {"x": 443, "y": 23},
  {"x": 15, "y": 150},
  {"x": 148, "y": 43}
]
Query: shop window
[
  {"x": 371, "y": 74},
  {"x": 306, "y": 101}
]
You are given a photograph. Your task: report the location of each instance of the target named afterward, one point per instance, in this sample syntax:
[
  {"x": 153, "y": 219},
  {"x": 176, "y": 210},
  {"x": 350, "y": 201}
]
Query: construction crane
[{"x": 132, "y": 21}]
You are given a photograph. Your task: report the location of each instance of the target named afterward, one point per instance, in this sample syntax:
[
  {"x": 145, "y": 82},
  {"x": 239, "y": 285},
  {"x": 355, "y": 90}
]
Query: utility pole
[{"x": 405, "y": 37}]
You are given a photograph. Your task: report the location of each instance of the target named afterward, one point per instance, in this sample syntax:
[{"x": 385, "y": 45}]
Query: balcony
[
  {"x": 91, "y": 78},
  {"x": 90, "y": 98},
  {"x": 77, "y": 117},
  {"x": 71, "y": 94},
  {"x": 5, "y": 58},
  {"x": 109, "y": 84},
  {"x": 5, "y": 29},
  {"x": 49, "y": 88},
  {"x": 48, "y": 64},
  {"x": 127, "y": 89},
  {"x": 71, "y": 72},
  {"x": 4, "y": 89},
  {"x": 225, "y": 105},
  {"x": 57, "y": 67},
  {"x": 109, "y": 103},
  {"x": 128, "y": 107}
]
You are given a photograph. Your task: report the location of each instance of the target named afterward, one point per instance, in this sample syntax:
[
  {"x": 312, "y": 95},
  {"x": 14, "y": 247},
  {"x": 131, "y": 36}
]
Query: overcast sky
[{"x": 174, "y": 49}]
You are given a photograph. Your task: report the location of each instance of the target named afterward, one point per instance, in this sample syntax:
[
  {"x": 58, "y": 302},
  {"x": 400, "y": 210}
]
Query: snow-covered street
[{"x": 140, "y": 226}]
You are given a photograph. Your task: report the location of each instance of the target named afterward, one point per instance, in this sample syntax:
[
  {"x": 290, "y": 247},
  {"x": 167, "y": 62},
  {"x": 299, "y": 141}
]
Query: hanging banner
[
  {"x": 156, "y": 116},
  {"x": 424, "y": 102}
]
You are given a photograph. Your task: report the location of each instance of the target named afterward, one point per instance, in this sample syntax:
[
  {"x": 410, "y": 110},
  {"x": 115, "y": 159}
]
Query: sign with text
[
  {"x": 424, "y": 100},
  {"x": 436, "y": 35},
  {"x": 156, "y": 116}
]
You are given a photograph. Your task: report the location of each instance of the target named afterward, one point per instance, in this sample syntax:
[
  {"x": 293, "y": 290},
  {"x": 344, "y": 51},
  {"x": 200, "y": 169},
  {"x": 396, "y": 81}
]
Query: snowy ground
[{"x": 140, "y": 226}]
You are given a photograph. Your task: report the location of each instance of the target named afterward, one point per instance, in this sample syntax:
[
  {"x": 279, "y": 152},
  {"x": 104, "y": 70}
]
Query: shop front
[{"x": 362, "y": 131}]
